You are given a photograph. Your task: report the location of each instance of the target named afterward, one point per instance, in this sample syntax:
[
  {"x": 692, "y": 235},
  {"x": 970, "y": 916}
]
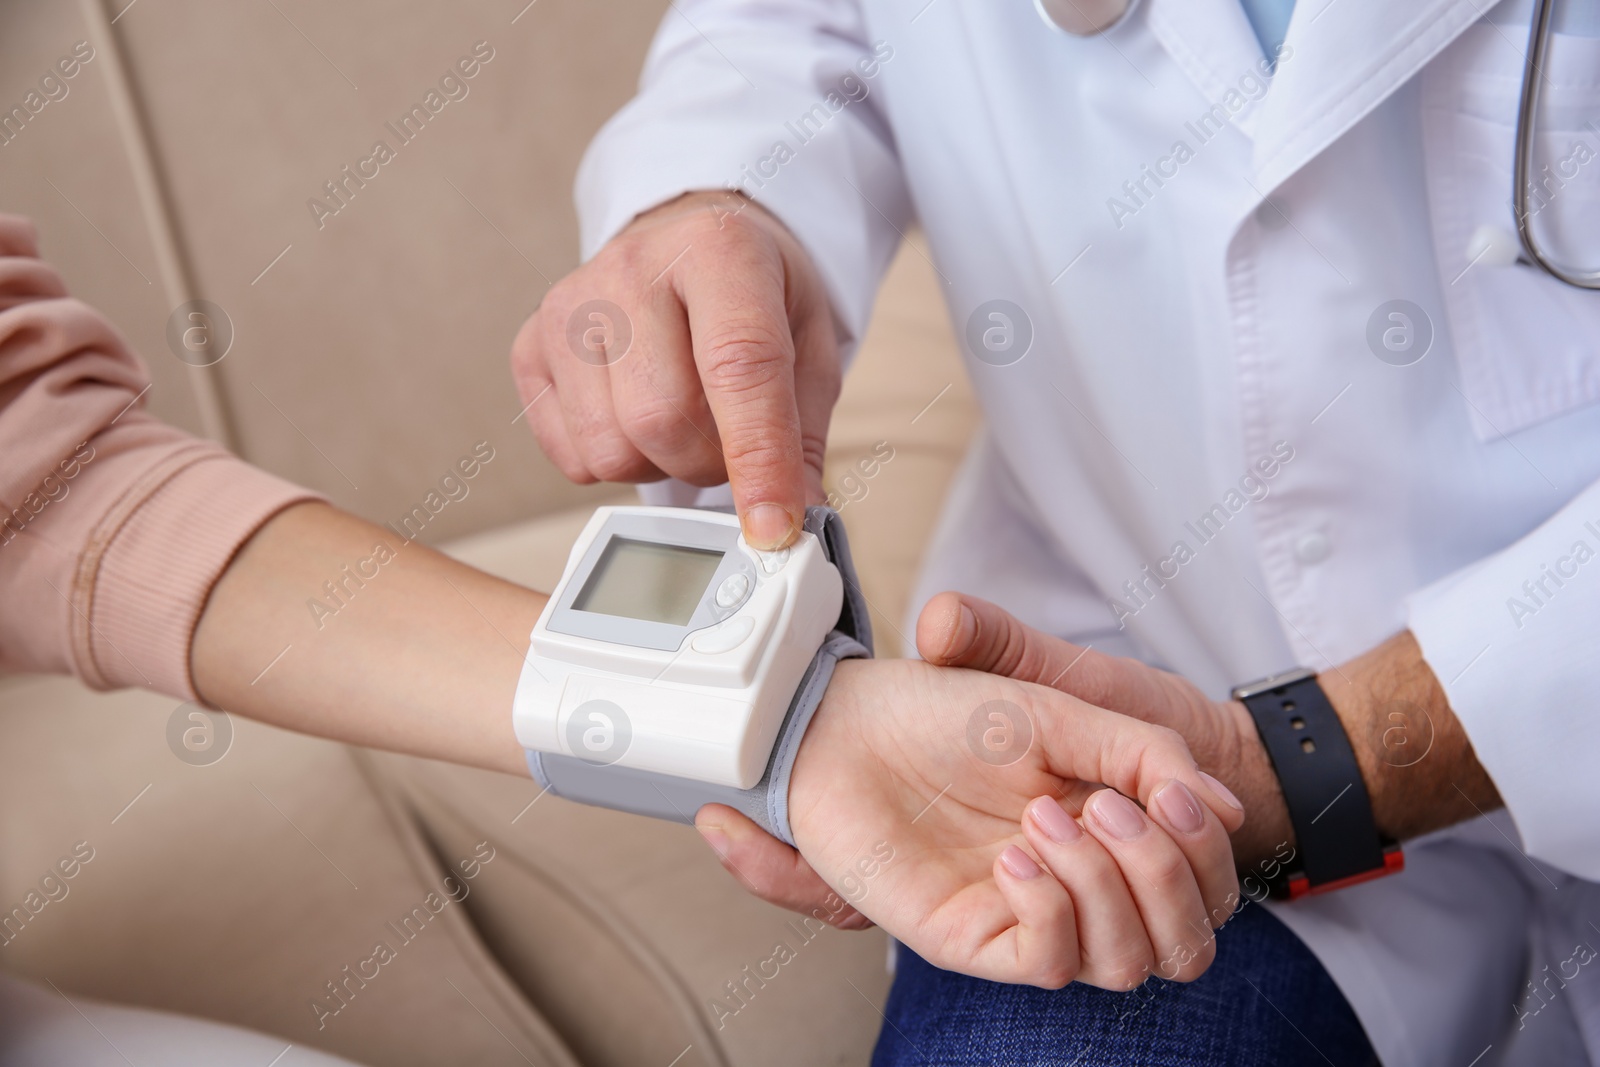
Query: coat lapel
[
  {"x": 1211, "y": 42},
  {"x": 1344, "y": 58}
]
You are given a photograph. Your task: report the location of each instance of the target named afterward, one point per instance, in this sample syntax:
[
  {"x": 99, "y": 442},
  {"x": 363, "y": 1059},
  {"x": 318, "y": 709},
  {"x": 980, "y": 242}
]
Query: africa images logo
[
  {"x": 599, "y": 732},
  {"x": 999, "y": 733}
]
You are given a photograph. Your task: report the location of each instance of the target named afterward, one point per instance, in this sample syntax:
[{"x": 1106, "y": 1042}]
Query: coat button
[
  {"x": 1494, "y": 246},
  {"x": 1272, "y": 214},
  {"x": 1312, "y": 548}
]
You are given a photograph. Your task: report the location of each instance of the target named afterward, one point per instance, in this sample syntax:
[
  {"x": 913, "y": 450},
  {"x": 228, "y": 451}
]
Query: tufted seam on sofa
[
  {"x": 560, "y": 881},
  {"x": 421, "y": 856}
]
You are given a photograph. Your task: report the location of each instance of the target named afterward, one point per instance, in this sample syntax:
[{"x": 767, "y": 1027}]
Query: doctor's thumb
[{"x": 956, "y": 630}]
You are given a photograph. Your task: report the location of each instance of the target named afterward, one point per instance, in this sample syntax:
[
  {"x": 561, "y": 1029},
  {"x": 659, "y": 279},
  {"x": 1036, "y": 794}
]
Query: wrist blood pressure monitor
[{"x": 675, "y": 666}]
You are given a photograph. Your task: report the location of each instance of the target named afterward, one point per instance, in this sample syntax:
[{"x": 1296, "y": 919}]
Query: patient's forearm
[{"x": 410, "y": 651}]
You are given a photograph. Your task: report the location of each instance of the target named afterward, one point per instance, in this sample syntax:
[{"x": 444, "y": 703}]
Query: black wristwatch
[{"x": 1337, "y": 840}]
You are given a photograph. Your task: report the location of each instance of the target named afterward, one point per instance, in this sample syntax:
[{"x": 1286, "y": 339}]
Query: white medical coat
[{"x": 1204, "y": 270}]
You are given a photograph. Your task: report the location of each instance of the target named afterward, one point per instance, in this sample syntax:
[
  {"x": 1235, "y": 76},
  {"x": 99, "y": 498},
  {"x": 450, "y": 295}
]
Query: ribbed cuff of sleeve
[
  {"x": 1514, "y": 640},
  {"x": 150, "y": 565}
]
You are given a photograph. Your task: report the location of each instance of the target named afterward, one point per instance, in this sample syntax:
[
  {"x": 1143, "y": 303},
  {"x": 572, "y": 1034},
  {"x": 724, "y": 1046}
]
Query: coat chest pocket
[{"x": 1528, "y": 345}]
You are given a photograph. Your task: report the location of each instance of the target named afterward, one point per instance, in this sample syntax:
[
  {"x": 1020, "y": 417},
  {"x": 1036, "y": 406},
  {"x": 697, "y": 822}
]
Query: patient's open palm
[{"x": 909, "y": 798}]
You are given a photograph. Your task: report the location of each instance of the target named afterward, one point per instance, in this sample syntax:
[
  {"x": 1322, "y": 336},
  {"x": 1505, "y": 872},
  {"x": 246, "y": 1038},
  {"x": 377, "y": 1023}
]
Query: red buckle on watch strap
[{"x": 1394, "y": 861}]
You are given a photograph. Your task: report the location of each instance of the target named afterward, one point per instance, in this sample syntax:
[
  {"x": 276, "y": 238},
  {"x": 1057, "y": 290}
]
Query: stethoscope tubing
[{"x": 1527, "y": 120}]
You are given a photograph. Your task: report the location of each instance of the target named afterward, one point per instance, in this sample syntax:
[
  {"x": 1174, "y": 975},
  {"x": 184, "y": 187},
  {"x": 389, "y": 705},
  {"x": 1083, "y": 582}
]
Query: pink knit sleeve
[{"x": 113, "y": 526}]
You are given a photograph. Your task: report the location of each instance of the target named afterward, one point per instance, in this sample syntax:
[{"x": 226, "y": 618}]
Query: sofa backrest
[
  {"x": 185, "y": 158},
  {"x": 181, "y": 150}
]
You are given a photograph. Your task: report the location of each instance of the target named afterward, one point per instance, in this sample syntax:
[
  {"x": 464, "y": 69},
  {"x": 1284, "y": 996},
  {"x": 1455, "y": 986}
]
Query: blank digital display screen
[{"x": 648, "y": 581}]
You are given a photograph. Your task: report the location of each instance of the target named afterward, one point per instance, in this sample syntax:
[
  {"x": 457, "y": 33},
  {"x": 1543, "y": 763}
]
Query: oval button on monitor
[
  {"x": 725, "y": 638},
  {"x": 733, "y": 590}
]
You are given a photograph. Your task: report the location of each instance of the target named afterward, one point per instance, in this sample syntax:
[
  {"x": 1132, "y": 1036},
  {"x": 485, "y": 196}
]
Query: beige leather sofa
[{"x": 369, "y": 351}]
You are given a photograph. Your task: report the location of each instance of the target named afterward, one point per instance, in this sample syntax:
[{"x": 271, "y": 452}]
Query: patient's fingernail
[
  {"x": 1222, "y": 791},
  {"x": 1119, "y": 816},
  {"x": 1019, "y": 863},
  {"x": 1057, "y": 825},
  {"x": 966, "y": 632},
  {"x": 1181, "y": 808},
  {"x": 716, "y": 839},
  {"x": 768, "y": 527}
]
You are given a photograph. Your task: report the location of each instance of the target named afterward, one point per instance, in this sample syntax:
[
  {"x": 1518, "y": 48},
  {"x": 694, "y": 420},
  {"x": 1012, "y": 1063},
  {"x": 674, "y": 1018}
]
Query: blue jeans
[{"x": 1265, "y": 1002}]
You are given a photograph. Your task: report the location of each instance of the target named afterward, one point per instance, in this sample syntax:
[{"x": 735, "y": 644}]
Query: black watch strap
[{"x": 1337, "y": 839}]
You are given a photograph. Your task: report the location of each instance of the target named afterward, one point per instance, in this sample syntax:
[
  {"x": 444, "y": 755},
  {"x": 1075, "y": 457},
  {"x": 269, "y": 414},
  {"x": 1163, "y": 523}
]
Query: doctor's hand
[
  {"x": 1415, "y": 757},
  {"x": 698, "y": 343},
  {"x": 951, "y": 808}
]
